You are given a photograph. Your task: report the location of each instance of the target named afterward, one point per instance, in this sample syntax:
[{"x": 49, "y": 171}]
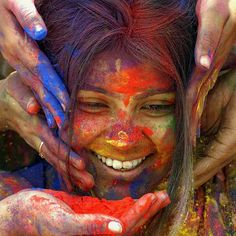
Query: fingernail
[
  {"x": 205, "y": 61},
  {"x": 115, "y": 227},
  {"x": 33, "y": 108},
  {"x": 63, "y": 107},
  {"x": 39, "y": 32},
  {"x": 78, "y": 163},
  {"x": 164, "y": 197}
]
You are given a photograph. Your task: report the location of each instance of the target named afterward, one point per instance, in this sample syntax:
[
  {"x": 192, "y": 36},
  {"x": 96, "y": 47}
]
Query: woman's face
[{"x": 125, "y": 126}]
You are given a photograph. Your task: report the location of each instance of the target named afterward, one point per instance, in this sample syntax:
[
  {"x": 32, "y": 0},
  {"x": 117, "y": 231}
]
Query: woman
[{"x": 129, "y": 78}]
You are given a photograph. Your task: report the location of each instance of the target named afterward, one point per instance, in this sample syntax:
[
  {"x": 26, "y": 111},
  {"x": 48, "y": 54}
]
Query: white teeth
[
  {"x": 127, "y": 165},
  {"x": 109, "y": 162},
  {"x": 134, "y": 163},
  {"x": 118, "y": 165}
]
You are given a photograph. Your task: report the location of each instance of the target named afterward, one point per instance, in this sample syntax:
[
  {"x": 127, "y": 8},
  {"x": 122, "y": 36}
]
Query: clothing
[{"x": 214, "y": 210}]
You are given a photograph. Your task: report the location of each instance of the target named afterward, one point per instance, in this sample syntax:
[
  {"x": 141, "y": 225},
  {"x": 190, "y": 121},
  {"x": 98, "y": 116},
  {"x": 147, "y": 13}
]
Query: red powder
[
  {"x": 148, "y": 131},
  {"x": 92, "y": 205}
]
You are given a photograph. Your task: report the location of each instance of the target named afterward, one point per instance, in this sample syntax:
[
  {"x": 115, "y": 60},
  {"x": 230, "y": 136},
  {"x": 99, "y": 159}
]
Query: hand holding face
[
  {"x": 14, "y": 97},
  {"x": 218, "y": 121},
  {"x": 216, "y": 36},
  {"x": 20, "y": 25}
]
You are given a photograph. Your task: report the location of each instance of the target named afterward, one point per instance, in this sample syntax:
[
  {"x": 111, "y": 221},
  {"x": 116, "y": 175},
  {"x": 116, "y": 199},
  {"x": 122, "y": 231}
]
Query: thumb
[
  {"x": 211, "y": 21},
  {"x": 92, "y": 224},
  {"x": 29, "y": 18}
]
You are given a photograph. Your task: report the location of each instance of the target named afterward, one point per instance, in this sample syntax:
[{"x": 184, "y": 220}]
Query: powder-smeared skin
[
  {"x": 92, "y": 205},
  {"x": 123, "y": 126}
]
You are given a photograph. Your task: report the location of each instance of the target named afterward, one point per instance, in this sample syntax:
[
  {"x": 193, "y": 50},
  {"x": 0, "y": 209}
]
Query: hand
[
  {"x": 143, "y": 210},
  {"x": 31, "y": 212},
  {"x": 218, "y": 122},
  {"x": 216, "y": 23},
  {"x": 13, "y": 96},
  {"x": 216, "y": 36},
  {"x": 23, "y": 54}
]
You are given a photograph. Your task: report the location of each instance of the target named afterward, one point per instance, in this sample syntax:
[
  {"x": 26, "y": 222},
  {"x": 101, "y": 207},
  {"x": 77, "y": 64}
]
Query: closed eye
[
  {"x": 157, "y": 109},
  {"x": 93, "y": 106}
]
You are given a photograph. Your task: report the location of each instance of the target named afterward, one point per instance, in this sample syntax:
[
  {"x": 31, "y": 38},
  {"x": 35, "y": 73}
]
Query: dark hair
[{"x": 161, "y": 32}]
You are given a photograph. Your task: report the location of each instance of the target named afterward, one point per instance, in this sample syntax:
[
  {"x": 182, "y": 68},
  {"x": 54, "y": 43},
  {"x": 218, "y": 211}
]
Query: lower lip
[{"x": 128, "y": 174}]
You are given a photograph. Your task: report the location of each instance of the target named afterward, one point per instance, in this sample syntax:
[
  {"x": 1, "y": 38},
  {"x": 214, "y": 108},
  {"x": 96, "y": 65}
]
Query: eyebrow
[
  {"x": 153, "y": 92},
  {"x": 93, "y": 88},
  {"x": 145, "y": 94}
]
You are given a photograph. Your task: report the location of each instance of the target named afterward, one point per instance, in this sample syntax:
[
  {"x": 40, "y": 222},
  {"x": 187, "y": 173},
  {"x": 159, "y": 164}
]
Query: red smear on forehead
[{"x": 136, "y": 79}]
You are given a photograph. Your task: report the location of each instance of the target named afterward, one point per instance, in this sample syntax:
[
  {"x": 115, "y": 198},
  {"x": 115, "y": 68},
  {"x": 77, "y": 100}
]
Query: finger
[
  {"x": 140, "y": 208},
  {"x": 29, "y": 18},
  {"x": 201, "y": 82},
  {"x": 67, "y": 182},
  {"x": 161, "y": 201},
  {"x": 207, "y": 168},
  {"x": 219, "y": 151},
  {"x": 42, "y": 96},
  {"x": 92, "y": 224},
  {"x": 22, "y": 94},
  {"x": 58, "y": 165},
  {"x": 49, "y": 117},
  {"x": 48, "y": 114},
  {"x": 45, "y": 98},
  {"x": 211, "y": 20},
  {"x": 35, "y": 62},
  {"x": 61, "y": 150},
  {"x": 52, "y": 81},
  {"x": 81, "y": 178}
]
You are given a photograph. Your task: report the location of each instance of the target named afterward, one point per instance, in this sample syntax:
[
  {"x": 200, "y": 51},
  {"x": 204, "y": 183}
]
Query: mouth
[{"x": 123, "y": 166}]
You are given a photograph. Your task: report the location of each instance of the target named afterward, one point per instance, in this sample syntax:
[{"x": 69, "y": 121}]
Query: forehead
[{"x": 119, "y": 73}]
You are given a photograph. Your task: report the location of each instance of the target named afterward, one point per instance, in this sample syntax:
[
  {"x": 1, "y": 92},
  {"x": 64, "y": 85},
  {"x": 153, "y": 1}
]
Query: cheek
[
  {"x": 87, "y": 127},
  {"x": 162, "y": 133}
]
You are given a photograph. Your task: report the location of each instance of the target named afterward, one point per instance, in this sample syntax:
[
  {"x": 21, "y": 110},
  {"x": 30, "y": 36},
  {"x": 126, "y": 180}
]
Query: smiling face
[{"x": 125, "y": 124}]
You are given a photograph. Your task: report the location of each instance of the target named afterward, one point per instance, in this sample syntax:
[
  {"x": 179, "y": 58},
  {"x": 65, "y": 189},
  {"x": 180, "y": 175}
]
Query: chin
[{"x": 115, "y": 184}]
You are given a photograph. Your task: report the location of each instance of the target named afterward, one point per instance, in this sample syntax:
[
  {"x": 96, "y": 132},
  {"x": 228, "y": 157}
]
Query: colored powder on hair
[{"x": 92, "y": 205}]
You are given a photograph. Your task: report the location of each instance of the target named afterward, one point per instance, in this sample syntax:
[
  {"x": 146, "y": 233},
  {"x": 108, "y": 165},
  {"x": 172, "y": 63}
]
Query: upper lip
[{"x": 125, "y": 158}]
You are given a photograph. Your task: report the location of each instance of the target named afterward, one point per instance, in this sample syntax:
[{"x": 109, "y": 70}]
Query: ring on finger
[{"x": 40, "y": 149}]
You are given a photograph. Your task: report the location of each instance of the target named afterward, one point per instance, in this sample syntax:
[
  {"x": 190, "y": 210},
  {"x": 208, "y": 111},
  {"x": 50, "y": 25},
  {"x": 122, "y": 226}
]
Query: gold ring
[
  {"x": 40, "y": 148},
  {"x": 41, "y": 155}
]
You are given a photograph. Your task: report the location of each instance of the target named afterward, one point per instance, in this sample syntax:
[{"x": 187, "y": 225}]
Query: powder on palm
[{"x": 92, "y": 205}]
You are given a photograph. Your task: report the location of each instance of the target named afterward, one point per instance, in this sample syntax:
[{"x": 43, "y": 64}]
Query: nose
[{"x": 124, "y": 136}]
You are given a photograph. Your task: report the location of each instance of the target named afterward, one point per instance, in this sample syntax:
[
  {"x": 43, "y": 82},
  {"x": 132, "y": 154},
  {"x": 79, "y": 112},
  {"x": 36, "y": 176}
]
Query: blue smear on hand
[
  {"x": 51, "y": 81},
  {"x": 50, "y": 120},
  {"x": 36, "y": 34}
]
